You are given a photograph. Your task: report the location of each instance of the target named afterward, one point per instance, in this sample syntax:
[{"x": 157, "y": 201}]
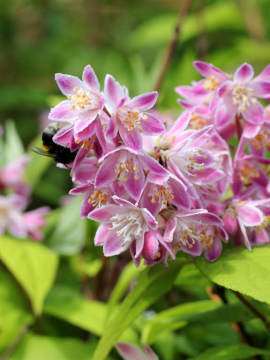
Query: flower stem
[
  {"x": 252, "y": 308},
  {"x": 172, "y": 45}
]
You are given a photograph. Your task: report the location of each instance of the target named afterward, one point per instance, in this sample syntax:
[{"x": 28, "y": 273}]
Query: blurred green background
[{"x": 125, "y": 38}]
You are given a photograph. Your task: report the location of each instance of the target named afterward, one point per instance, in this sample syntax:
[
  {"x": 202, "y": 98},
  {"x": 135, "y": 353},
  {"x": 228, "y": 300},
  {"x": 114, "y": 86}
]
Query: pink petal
[
  {"x": 112, "y": 244},
  {"x": 62, "y": 112},
  {"x": 261, "y": 88},
  {"x": 152, "y": 125},
  {"x": 213, "y": 252},
  {"x": 104, "y": 213},
  {"x": 151, "y": 221},
  {"x": 101, "y": 234},
  {"x": 112, "y": 128},
  {"x": 250, "y": 130},
  {"x": 230, "y": 224},
  {"x": 90, "y": 78},
  {"x": 67, "y": 83},
  {"x": 250, "y": 215},
  {"x": 224, "y": 115},
  {"x": 113, "y": 92},
  {"x": 207, "y": 69},
  {"x": 106, "y": 174},
  {"x": 84, "y": 129},
  {"x": 64, "y": 136},
  {"x": 131, "y": 139},
  {"x": 130, "y": 352},
  {"x": 145, "y": 101},
  {"x": 151, "y": 355},
  {"x": 139, "y": 246},
  {"x": 134, "y": 185},
  {"x": 245, "y": 237},
  {"x": 151, "y": 245},
  {"x": 179, "y": 193},
  {"x": 169, "y": 231},
  {"x": 254, "y": 114},
  {"x": 153, "y": 165},
  {"x": 244, "y": 73},
  {"x": 193, "y": 249}
]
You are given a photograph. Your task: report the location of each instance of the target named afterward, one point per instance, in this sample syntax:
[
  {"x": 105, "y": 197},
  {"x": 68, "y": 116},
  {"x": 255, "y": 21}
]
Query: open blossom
[
  {"x": 239, "y": 96},
  {"x": 128, "y": 167},
  {"x": 250, "y": 219},
  {"x": 12, "y": 176},
  {"x": 129, "y": 116},
  {"x": 122, "y": 224},
  {"x": 132, "y": 352},
  {"x": 196, "y": 232},
  {"x": 83, "y": 104}
]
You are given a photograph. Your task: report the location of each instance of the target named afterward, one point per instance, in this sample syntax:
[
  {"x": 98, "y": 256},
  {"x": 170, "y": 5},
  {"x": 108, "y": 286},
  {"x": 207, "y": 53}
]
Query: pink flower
[
  {"x": 195, "y": 232},
  {"x": 84, "y": 102},
  {"x": 12, "y": 176},
  {"x": 94, "y": 197},
  {"x": 251, "y": 218},
  {"x": 240, "y": 97},
  {"x": 129, "y": 117},
  {"x": 203, "y": 92},
  {"x": 35, "y": 221},
  {"x": 122, "y": 224},
  {"x": 11, "y": 217},
  {"x": 193, "y": 163},
  {"x": 132, "y": 352},
  {"x": 128, "y": 167},
  {"x": 160, "y": 192},
  {"x": 246, "y": 170}
]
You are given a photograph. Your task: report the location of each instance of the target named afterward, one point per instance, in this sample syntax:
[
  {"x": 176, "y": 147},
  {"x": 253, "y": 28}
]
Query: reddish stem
[{"x": 172, "y": 45}]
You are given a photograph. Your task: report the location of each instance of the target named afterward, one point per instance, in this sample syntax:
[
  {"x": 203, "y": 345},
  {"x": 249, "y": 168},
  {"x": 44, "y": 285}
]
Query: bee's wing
[{"x": 42, "y": 152}]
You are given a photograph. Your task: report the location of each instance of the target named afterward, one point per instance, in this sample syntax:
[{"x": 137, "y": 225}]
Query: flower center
[
  {"x": 128, "y": 227},
  {"x": 82, "y": 101},
  {"x": 131, "y": 119},
  {"x": 190, "y": 233},
  {"x": 161, "y": 194},
  {"x": 197, "y": 122},
  {"x": 211, "y": 83},
  {"x": 243, "y": 97},
  {"x": 248, "y": 173},
  {"x": 98, "y": 198},
  {"x": 191, "y": 161},
  {"x": 125, "y": 168},
  {"x": 262, "y": 140}
]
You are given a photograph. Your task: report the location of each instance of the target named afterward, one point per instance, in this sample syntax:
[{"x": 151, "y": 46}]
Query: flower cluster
[
  {"x": 161, "y": 187},
  {"x": 14, "y": 199}
]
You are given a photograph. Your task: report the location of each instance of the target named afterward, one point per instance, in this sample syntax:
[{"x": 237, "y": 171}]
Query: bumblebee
[{"x": 59, "y": 153}]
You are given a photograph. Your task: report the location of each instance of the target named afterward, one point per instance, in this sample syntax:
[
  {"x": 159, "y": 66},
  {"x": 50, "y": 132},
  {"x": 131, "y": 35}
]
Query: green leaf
[
  {"x": 158, "y": 30},
  {"x": 34, "y": 347},
  {"x": 174, "y": 318},
  {"x": 151, "y": 285},
  {"x": 13, "y": 148},
  {"x": 238, "y": 351},
  {"x": 204, "y": 311},
  {"x": 68, "y": 237},
  {"x": 14, "y": 316},
  {"x": 127, "y": 275},
  {"x": 84, "y": 266},
  {"x": 241, "y": 270},
  {"x": 66, "y": 304},
  {"x": 33, "y": 266}
]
